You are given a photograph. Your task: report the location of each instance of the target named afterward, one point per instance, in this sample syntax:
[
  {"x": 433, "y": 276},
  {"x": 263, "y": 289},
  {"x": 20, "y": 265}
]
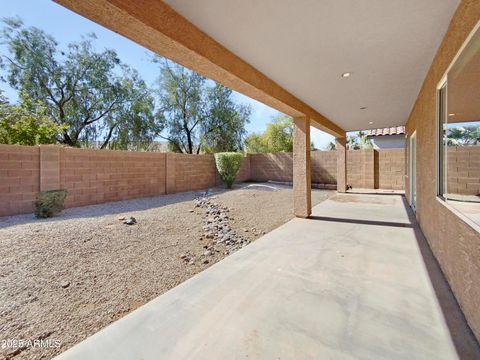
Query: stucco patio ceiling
[
  {"x": 306, "y": 45},
  {"x": 291, "y": 54}
]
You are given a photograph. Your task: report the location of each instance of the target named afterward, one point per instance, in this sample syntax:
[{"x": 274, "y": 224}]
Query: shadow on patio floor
[{"x": 463, "y": 338}]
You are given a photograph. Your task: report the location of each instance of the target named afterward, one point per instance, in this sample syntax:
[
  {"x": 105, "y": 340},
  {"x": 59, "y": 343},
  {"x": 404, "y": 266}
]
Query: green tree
[
  {"x": 21, "y": 125},
  {"x": 135, "y": 127},
  {"x": 464, "y": 135},
  {"x": 279, "y": 134},
  {"x": 332, "y": 145},
  {"x": 224, "y": 128},
  {"x": 195, "y": 117},
  {"x": 277, "y": 137},
  {"x": 358, "y": 141},
  {"x": 182, "y": 106},
  {"x": 254, "y": 143},
  {"x": 98, "y": 98}
]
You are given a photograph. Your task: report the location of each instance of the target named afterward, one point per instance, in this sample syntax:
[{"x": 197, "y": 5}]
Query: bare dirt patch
[{"x": 65, "y": 278}]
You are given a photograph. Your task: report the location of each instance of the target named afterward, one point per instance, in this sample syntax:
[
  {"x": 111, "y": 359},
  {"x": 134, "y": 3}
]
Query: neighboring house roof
[{"x": 395, "y": 130}]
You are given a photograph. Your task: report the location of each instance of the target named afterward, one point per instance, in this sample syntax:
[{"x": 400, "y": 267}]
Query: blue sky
[{"x": 66, "y": 26}]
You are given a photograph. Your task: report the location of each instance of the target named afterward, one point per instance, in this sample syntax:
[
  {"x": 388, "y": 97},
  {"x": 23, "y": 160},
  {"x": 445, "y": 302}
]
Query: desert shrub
[
  {"x": 49, "y": 203},
  {"x": 228, "y": 165}
]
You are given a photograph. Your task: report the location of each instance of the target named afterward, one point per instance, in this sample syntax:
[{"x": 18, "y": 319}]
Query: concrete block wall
[
  {"x": 245, "y": 172},
  {"x": 463, "y": 170},
  {"x": 193, "y": 172},
  {"x": 279, "y": 167},
  {"x": 324, "y": 167},
  {"x": 97, "y": 176},
  {"x": 19, "y": 178},
  {"x": 365, "y": 168},
  {"x": 354, "y": 169},
  {"x": 276, "y": 167},
  {"x": 368, "y": 168},
  {"x": 50, "y": 156},
  {"x": 391, "y": 169},
  {"x": 361, "y": 168}
]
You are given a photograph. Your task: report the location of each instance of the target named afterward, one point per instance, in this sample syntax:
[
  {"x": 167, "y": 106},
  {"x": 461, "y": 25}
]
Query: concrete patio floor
[{"x": 356, "y": 281}]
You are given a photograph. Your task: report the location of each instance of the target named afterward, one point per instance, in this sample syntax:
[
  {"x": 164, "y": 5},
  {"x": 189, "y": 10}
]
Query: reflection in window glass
[{"x": 459, "y": 132}]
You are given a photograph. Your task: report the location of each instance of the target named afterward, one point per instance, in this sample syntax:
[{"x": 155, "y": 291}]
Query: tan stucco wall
[{"x": 455, "y": 244}]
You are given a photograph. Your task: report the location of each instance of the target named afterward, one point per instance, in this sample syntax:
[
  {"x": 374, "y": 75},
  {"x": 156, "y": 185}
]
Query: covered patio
[
  {"x": 354, "y": 277},
  {"x": 313, "y": 70},
  {"x": 357, "y": 280}
]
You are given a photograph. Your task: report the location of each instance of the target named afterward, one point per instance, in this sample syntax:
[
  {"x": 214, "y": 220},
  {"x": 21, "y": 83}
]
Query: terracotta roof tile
[{"x": 394, "y": 130}]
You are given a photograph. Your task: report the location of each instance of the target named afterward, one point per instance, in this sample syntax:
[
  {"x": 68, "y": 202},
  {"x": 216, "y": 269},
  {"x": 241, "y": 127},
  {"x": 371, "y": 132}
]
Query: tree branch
[{"x": 109, "y": 136}]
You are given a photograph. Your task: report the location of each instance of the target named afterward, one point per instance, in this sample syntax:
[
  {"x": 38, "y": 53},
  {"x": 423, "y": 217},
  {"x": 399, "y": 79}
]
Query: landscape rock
[
  {"x": 216, "y": 224},
  {"x": 130, "y": 221},
  {"x": 65, "y": 284}
]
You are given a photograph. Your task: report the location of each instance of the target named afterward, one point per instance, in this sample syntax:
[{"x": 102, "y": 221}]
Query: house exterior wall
[
  {"x": 389, "y": 141},
  {"x": 454, "y": 242}
]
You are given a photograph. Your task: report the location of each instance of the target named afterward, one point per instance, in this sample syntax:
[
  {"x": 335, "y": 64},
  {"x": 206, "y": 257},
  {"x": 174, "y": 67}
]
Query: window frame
[
  {"x": 444, "y": 84},
  {"x": 441, "y": 172}
]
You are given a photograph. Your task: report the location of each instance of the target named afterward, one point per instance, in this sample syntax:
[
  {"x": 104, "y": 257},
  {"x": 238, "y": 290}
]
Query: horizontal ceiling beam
[{"x": 156, "y": 26}]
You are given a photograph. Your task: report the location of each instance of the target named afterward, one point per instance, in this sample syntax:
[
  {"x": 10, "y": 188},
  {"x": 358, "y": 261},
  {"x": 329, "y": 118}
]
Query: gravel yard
[{"x": 62, "y": 279}]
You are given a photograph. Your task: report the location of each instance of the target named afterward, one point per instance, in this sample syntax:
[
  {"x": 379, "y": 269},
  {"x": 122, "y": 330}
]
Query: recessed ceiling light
[
  {"x": 363, "y": 108},
  {"x": 346, "y": 74},
  {"x": 451, "y": 114},
  {"x": 370, "y": 122}
]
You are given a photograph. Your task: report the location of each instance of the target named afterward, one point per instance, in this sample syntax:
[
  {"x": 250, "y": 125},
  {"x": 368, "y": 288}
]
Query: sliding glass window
[{"x": 458, "y": 102}]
